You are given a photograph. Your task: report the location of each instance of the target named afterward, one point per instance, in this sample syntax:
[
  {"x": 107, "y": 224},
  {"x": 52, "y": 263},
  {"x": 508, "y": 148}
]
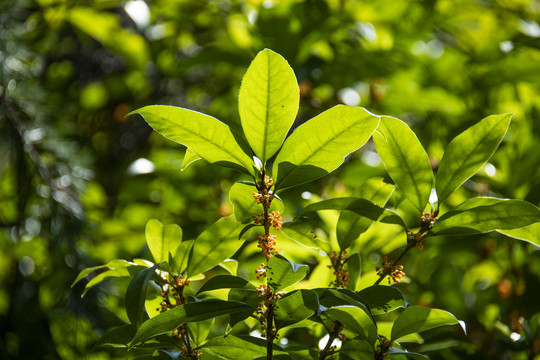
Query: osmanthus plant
[{"x": 209, "y": 320}]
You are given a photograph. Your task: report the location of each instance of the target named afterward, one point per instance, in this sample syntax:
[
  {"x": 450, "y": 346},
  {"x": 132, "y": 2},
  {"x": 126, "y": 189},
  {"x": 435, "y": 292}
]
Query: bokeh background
[{"x": 79, "y": 180}]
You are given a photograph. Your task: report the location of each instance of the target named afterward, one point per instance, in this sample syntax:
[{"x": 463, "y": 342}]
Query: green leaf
[
  {"x": 200, "y": 330},
  {"x": 189, "y": 158},
  {"x": 529, "y": 233},
  {"x": 282, "y": 272},
  {"x": 469, "y": 152},
  {"x": 382, "y": 299},
  {"x": 405, "y": 160},
  {"x": 356, "y": 348},
  {"x": 354, "y": 267},
  {"x": 501, "y": 215},
  {"x": 410, "y": 355},
  {"x": 111, "y": 265},
  {"x": 295, "y": 306},
  {"x": 416, "y": 318},
  {"x": 320, "y": 145},
  {"x": 181, "y": 255},
  {"x": 162, "y": 239},
  {"x": 361, "y": 207},
  {"x": 351, "y": 225},
  {"x": 245, "y": 205},
  {"x": 303, "y": 234},
  {"x": 205, "y": 135},
  {"x": 356, "y": 320},
  {"x": 268, "y": 103},
  {"x": 240, "y": 347},
  {"x": 118, "y": 336},
  {"x": 182, "y": 314},
  {"x": 217, "y": 243},
  {"x": 225, "y": 282},
  {"x": 136, "y": 295}
]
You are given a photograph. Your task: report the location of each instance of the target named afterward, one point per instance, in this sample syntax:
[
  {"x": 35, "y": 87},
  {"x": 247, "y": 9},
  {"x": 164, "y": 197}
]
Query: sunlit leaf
[
  {"x": 500, "y": 215},
  {"x": 529, "y": 233},
  {"x": 282, "y": 272},
  {"x": 225, "y": 282},
  {"x": 354, "y": 268},
  {"x": 320, "y": 145},
  {"x": 189, "y": 158},
  {"x": 394, "y": 352},
  {"x": 468, "y": 152},
  {"x": 182, "y": 314},
  {"x": 268, "y": 103},
  {"x": 181, "y": 255},
  {"x": 405, "y": 160},
  {"x": 217, "y": 243},
  {"x": 296, "y": 306},
  {"x": 381, "y": 299},
  {"x": 361, "y": 207},
  {"x": 239, "y": 347},
  {"x": 203, "y": 134},
  {"x": 356, "y": 348},
  {"x": 356, "y": 320},
  {"x": 416, "y": 318},
  {"x": 162, "y": 239}
]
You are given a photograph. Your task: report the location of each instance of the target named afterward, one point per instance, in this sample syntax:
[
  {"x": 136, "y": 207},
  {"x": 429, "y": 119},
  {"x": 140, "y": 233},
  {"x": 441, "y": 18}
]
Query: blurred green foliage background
[{"x": 79, "y": 181}]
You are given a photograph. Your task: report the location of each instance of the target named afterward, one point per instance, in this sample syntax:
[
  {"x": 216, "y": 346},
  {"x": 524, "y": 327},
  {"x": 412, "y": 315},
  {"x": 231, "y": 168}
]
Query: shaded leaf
[
  {"x": 239, "y": 347},
  {"x": 354, "y": 267},
  {"x": 225, "y": 282},
  {"x": 405, "y": 160},
  {"x": 501, "y": 215},
  {"x": 469, "y": 152},
  {"x": 350, "y": 225},
  {"x": 282, "y": 272},
  {"x": 416, "y": 318},
  {"x": 136, "y": 295},
  {"x": 182, "y": 314},
  {"x": 295, "y": 306},
  {"x": 268, "y": 103},
  {"x": 204, "y": 135},
  {"x": 217, "y": 243},
  {"x": 356, "y": 348},
  {"x": 321, "y": 144},
  {"x": 382, "y": 299},
  {"x": 410, "y": 355}
]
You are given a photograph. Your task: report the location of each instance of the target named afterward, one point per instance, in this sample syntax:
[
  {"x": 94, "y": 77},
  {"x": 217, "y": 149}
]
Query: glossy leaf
[
  {"x": 295, "y": 306},
  {"x": 382, "y": 299},
  {"x": 245, "y": 205},
  {"x": 320, "y": 145},
  {"x": 136, "y": 295},
  {"x": 356, "y": 320},
  {"x": 119, "y": 336},
  {"x": 189, "y": 158},
  {"x": 416, "y": 318},
  {"x": 356, "y": 348},
  {"x": 204, "y": 135},
  {"x": 394, "y": 352},
  {"x": 303, "y": 234},
  {"x": 162, "y": 239},
  {"x": 225, "y": 282},
  {"x": 361, "y": 207},
  {"x": 181, "y": 255},
  {"x": 200, "y": 330},
  {"x": 111, "y": 265},
  {"x": 217, "y": 243},
  {"x": 405, "y": 160},
  {"x": 529, "y": 233},
  {"x": 239, "y": 347},
  {"x": 182, "y": 314},
  {"x": 351, "y": 225},
  {"x": 501, "y": 215},
  {"x": 354, "y": 267},
  {"x": 469, "y": 152},
  {"x": 268, "y": 103},
  {"x": 282, "y": 272}
]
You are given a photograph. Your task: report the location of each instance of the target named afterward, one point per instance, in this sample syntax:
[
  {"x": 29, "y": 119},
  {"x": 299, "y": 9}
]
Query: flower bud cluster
[
  {"x": 267, "y": 304},
  {"x": 172, "y": 289},
  {"x": 261, "y": 271},
  {"x": 428, "y": 220},
  {"x": 418, "y": 239},
  {"x": 342, "y": 275},
  {"x": 267, "y": 243},
  {"x": 394, "y": 272}
]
